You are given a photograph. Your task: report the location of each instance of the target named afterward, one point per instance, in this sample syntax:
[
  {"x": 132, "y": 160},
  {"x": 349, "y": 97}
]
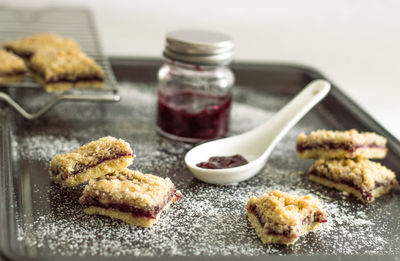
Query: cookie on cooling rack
[
  {"x": 12, "y": 68},
  {"x": 26, "y": 47},
  {"x": 59, "y": 70}
]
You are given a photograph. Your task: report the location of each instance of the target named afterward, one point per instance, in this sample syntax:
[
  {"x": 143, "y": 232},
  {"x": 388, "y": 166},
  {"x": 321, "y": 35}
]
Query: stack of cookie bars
[
  {"x": 55, "y": 62},
  {"x": 342, "y": 162},
  {"x": 114, "y": 190}
]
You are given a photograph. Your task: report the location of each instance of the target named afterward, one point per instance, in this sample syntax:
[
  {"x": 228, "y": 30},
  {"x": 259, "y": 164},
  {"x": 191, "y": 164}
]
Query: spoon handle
[{"x": 276, "y": 128}]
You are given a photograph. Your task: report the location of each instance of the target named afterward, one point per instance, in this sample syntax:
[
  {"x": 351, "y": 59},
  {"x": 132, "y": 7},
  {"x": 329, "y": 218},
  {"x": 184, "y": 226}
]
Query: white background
[{"x": 356, "y": 43}]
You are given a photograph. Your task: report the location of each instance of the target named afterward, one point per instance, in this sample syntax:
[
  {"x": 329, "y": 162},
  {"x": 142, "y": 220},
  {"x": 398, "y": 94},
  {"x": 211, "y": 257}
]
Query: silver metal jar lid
[{"x": 199, "y": 47}]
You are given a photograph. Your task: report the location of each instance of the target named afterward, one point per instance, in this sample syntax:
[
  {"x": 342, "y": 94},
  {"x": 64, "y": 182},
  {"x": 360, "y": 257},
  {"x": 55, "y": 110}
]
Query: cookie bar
[
  {"x": 90, "y": 161},
  {"x": 12, "y": 68},
  {"x": 362, "y": 178},
  {"x": 59, "y": 70},
  {"x": 282, "y": 218},
  {"x": 26, "y": 47},
  {"x": 341, "y": 144},
  {"x": 133, "y": 197}
]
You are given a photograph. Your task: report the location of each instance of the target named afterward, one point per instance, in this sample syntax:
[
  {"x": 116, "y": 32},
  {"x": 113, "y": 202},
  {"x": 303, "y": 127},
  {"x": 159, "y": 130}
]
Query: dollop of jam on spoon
[{"x": 219, "y": 162}]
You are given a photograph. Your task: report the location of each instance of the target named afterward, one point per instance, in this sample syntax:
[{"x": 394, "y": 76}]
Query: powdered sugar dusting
[
  {"x": 43, "y": 147},
  {"x": 209, "y": 220}
]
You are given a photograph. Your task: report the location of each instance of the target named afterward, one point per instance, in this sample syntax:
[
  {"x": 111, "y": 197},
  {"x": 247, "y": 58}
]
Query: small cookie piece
[
  {"x": 12, "y": 68},
  {"x": 59, "y": 70},
  {"x": 362, "y": 178},
  {"x": 90, "y": 161},
  {"x": 26, "y": 47},
  {"x": 341, "y": 144},
  {"x": 281, "y": 218},
  {"x": 133, "y": 197}
]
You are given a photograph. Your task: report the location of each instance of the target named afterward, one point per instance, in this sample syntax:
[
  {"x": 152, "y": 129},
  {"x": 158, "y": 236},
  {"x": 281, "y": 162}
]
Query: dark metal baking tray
[{"x": 41, "y": 221}]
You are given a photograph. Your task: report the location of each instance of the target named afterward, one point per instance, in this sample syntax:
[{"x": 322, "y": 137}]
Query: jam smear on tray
[
  {"x": 194, "y": 115},
  {"x": 218, "y": 162}
]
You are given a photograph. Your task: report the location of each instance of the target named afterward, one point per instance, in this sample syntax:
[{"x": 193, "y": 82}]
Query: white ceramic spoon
[{"x": 257, "y": 144}]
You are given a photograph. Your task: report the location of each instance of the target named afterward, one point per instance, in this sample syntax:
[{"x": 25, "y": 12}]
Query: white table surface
[{"x": 355, "y": 43}]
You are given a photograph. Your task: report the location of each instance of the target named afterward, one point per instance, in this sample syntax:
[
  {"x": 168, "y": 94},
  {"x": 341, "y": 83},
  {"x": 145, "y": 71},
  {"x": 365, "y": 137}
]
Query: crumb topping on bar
[
  {"x": 129, "y": 187},
  {"x": 350, "y": 136},
  {"x": 89, "y": 155},
  {"x": 65, "y": 65},
  {"x": 11, "y": 64},
  {"x": 363, "y": 173},
  {"x": 285, "y": 209},
  {"x": 27, "y": 46}
]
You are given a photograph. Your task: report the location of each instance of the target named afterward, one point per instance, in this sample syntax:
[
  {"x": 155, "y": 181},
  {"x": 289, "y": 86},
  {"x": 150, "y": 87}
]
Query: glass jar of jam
[{"x": 195, "y": 86}]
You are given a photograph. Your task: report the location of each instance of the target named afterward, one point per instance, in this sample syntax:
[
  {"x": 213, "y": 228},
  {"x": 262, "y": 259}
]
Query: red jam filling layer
[
  {"x": 77, "y": 80},
  {"x": 334, "y": 146},
  {"x": 83, "y": 168},
  {"x": 68, "y": 78},
  {"x": 10, "y": 74},
  {"x": 150, "y": 212},
  {"x": 193, "y": 115},
  {"x": 24, "y": 55},
  {"x": 223, "y": 162}
]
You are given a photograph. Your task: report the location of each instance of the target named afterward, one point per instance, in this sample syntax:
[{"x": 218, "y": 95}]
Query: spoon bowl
[{"x": 257, "y": 144}]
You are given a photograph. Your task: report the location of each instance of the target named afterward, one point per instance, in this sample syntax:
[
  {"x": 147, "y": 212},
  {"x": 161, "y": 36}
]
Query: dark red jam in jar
[
  {"x": 195, "y": 81},
  {"x": 193, "y": 115}
]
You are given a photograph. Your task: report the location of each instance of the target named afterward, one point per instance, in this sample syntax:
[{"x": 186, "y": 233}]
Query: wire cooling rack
[{"x": 71, "y": 23}]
